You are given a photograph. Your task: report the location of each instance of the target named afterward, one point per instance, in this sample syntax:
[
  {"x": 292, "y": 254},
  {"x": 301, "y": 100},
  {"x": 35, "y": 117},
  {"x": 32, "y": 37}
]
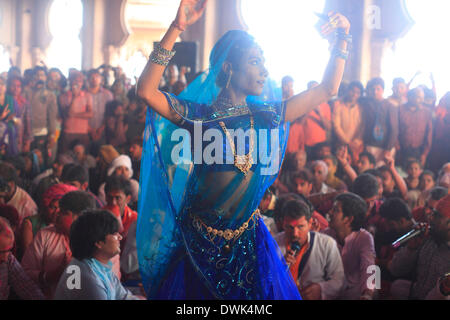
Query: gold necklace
[{"x": 242, "y": 162}]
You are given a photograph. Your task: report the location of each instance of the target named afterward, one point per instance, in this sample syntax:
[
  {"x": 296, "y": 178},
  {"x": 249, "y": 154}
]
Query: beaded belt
[{"x": 227, "y": 234}]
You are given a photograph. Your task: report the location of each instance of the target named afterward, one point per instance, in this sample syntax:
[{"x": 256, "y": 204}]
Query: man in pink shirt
[
  {"x": 100, "y": 97},
  {"x": 76, "y": 110},
  {"x": 356, "y": 244},
  {"x": 48, "y": 255}
]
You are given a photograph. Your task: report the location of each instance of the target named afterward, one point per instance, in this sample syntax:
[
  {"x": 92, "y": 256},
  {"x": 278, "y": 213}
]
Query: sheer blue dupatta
[
  {"x": 161, "y": 238},
  {"x": 162, "y": 188}
]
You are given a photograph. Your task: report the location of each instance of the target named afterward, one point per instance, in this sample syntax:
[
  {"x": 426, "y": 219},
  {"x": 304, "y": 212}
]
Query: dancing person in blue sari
[{"x": 209, "y": 155}]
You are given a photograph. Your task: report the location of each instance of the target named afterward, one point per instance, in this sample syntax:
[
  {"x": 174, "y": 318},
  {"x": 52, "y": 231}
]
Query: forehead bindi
[{"x": 296, "y": 222}]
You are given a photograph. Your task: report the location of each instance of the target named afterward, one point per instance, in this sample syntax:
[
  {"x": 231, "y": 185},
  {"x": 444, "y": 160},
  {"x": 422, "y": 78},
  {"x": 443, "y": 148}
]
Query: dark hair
[
  {"x": 356, "y": 84},
  {"x": 18, "y": 162},
  {"x": 281, "y": 200},
  {"x": 65, "y": 170},
  {"x": 304, "y": 174},
  {"x": 365, "y": 186},
  {"x": 438, "y": 193},
  {"x": 91, "y": 227},
  {"x": 332, "y": 158},
  {"x": 411, "y": 161},
  {"x": 75, "y": 173},
  {"x": 111, "y": 107},
  {"x": 428, "y": 173},
  {"x": 14, "y": 78},
  {"x": 4, "y": 187},
  {"x": 295, "y": 209},
  {"x": 62, "y": 80},
  {"x": 13, "y": 70},
  {"x": 369, "y": 157},
  {"x": 286, "y": 79},
  {"x": 397, "y": 81},
  {"x": 395, "y": 209},
  {"x": 92, "y": 72},
  {"x": 383, "y": 169},
  {"x": 118, "y": 183},
  {"x": 8, "y": 172},
  {"x": 375, "y": 82},
  {"x": 75, "y": 143},
  {"x": 375, "y": 172},
  {"x": 39, "y": 68},
  {"x": 321, "y": 145},
  {"x": 77, "y": 202},
  {"x": 290, "y": 162},
  {"x": 353, "y": 206}
]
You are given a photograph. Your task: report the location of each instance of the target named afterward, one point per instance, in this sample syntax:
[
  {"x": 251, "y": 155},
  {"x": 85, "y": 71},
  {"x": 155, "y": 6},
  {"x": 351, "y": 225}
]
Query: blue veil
[{"x": 180, "y": 197}]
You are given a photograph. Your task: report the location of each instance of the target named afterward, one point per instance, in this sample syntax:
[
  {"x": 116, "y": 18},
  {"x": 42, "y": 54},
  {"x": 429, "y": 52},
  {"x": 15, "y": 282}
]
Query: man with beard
[{"x": 426, "y": 258}]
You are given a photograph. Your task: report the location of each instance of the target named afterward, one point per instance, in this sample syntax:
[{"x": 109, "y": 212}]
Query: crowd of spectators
[{"x": 359, "y": 172}]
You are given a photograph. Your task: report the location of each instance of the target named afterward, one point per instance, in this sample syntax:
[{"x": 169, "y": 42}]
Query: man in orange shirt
[
  {"x": 317, "y": 124},
  {"x": 313, "y": 258}
]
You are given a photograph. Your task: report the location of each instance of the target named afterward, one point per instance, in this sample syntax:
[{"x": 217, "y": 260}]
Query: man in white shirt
[{"x": 317, "y": 265}]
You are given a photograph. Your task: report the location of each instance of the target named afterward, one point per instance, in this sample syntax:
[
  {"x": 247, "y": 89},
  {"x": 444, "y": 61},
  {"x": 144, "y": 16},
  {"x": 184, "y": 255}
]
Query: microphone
[
  {"x": 408, "y": 236},
  {"x": 295, "y": 248}
]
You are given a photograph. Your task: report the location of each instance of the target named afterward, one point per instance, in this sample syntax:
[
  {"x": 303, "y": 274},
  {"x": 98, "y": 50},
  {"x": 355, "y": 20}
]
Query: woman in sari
[{"x": 200, "y": 234}]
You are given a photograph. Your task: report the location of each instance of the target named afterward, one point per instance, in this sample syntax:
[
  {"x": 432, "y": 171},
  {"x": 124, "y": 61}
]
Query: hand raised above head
[
  {"x": 342, "y": 155},
  {"x": 189, "y": 12},
  {"x": 389, "y": 159},
  {"x": 335, "y": 21}
]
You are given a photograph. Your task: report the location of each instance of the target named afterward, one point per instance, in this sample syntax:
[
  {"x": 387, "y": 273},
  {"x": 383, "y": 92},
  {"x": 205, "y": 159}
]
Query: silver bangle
[
  {"x": 338, "y": 53},
  {"x": 161, "y": 56},
  {"x": 340, "y": 35}
]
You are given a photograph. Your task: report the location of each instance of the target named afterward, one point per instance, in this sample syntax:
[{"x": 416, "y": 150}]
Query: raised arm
[
  {"x": 342, "y": 156},
  {"x": 304, "y": 102},
  {"x": 188, "y": 13},
  {"x": 399, "y": 181}
]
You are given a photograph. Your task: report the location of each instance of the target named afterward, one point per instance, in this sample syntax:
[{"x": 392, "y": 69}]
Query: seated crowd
[{"x": 359, "y": 172}]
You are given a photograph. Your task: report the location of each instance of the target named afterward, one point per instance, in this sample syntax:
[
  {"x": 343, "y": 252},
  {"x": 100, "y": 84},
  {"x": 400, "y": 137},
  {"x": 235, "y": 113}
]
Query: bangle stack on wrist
[
  {"x": 161, "y": 56},
  {"x": 341, "y": 35},
  {"x": 339, "y": 53}
]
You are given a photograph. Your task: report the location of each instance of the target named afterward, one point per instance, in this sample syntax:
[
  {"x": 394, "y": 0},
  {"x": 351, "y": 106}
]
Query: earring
[{"x": 229, "y": 79}]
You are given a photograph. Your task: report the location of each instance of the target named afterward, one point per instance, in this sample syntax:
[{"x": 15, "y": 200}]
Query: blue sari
[{"x": 179, "y": 257}]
